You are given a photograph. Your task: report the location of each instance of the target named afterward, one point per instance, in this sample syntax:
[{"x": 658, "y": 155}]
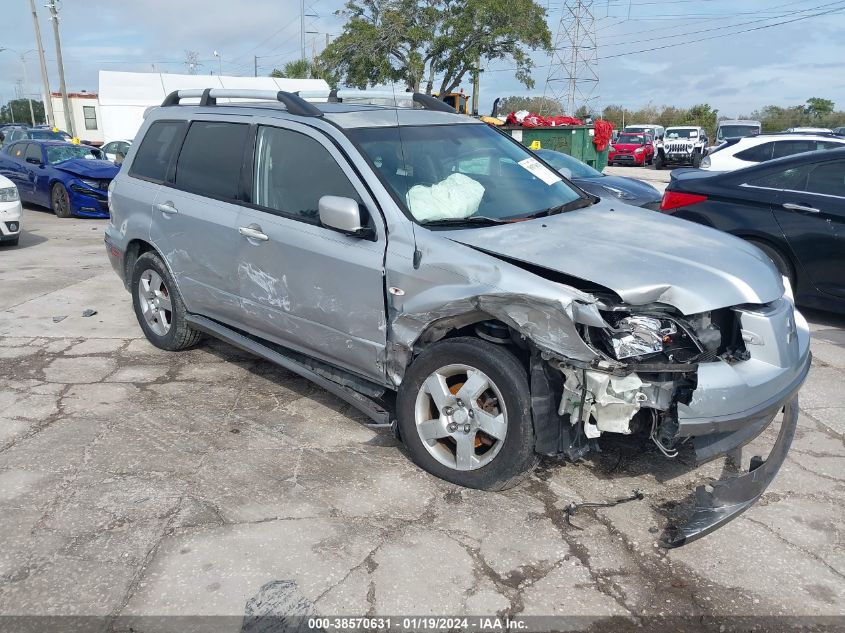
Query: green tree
[
  {"x": 514, "y": 103},
  {"x": 305, "y": 69},
  {"x": 423, "y": 42},
  {"x": 817, "y": 107},
  {"x": 17, "y": 111}
]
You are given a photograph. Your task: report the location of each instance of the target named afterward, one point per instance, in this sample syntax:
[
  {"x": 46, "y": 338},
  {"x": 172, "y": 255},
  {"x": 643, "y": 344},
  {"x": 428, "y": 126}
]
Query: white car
[
  {"x": 10, "y": 212},
  {"x": 113, "y": 149},
  {"x": 751, "y": 150}
]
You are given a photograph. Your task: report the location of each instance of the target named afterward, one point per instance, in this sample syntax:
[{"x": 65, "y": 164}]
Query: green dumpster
[{"x": 575, "y": 140}]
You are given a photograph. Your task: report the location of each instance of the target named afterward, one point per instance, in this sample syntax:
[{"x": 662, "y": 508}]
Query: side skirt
[{"x": 368, "y": 406}]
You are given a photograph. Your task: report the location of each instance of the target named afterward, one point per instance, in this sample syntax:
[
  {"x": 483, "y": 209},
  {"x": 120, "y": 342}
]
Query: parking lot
[{"x": 135, "y": 482}]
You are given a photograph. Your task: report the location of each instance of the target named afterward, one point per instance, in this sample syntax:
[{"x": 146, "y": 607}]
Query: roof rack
[
  {"x": 209, "y": 96},
  {"x": 380, "y": 97}
]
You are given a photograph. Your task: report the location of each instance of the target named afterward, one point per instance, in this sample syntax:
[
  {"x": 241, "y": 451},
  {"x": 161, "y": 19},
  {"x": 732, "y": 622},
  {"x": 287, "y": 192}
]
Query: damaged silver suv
[{"x": 440, "y": 277}]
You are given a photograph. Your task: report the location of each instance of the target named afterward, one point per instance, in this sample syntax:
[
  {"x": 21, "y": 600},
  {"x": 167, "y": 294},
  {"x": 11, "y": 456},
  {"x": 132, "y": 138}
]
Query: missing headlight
[{"x": 636, "y": 336}]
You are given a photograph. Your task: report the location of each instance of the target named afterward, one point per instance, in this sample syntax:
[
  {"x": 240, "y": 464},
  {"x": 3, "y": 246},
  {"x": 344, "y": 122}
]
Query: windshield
[
  {"x": 679, "y": 133},
  {"x": 453, "y": 172},
  {"x": 634, "y": 139},
  {"x": 559, "y": 161},
  {"x": 46, "y": 135},
  {"x": 737, "y": 131},
  {"x": 60, "y": 153}
]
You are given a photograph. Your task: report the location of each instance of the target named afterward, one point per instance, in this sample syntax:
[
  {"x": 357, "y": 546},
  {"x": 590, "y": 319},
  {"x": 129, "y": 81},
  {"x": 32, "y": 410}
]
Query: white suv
[
  {"x": 751, "y": 150},
  {"x": 10, "y": 212}
]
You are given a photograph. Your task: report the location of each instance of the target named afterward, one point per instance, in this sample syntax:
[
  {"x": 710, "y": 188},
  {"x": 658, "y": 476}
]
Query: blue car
[{"x": 71, "y": 179}]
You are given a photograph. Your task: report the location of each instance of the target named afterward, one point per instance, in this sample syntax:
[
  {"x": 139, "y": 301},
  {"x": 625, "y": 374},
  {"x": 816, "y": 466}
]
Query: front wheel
[
  {"x": 696, "y": 160},
  {"x": 60, "y": 201},
  {"x": 464, "y": 414},
  {"x": 659, "y": 162}
]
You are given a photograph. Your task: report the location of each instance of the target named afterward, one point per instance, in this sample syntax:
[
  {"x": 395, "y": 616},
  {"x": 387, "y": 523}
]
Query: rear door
[
  {"x": 811, "y": 214},
  {"x": 14, "y": 167},
  {"x": 36, "y": 180},
  {"x": 303, "y": 285},
  {"x": 194, "y": 216}
]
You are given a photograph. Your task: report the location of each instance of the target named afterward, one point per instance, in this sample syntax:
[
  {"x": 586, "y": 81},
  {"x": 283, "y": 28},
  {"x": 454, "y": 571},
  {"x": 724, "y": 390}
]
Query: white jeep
[{"x": 681, "y": 145}]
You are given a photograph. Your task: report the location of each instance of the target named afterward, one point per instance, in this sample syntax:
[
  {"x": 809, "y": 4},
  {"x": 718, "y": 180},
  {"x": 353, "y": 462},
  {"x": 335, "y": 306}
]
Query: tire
[
  {"x": 487, "y": 462},
  {"x": 780, "y": 261},
  {"x": 696, "y": 160},
  {"x": 159, "y": 307},
  {"x": 659, "y": 162},
  {"x": 60, "y": 201}
]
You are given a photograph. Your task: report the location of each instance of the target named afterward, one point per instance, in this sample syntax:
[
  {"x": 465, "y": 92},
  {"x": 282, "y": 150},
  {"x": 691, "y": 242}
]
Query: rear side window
[
  {"x": 793, "y": 179},
  {"x": 828, "y": 179},
  {"x": 757, "y": 154},
  {"x": 156, "y": 150},
  {"x": 788, "y": 148},
  {"x": 293, "y": 171},
  {"x": 211, "y": 158}
]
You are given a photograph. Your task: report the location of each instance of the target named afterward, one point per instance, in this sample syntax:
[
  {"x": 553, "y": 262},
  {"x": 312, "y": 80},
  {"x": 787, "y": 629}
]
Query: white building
[
  {"x": 124, "y": 96},
  {"x": 84, "y": 112}
]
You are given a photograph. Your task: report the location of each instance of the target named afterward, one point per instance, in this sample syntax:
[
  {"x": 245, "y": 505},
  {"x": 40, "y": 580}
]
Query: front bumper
[
  {"x": 10, "y": 220},
  {"x": 724, "y": 500},
  {"x": 88, "y": 203},
  {"x": 627, "y": 159}
]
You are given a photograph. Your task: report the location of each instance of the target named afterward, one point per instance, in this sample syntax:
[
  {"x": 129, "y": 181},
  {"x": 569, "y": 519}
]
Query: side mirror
[
  {"x": 342, "y": 214},
  {"x": 566, "y": 172},
  {"x": 34, "y": 161}
]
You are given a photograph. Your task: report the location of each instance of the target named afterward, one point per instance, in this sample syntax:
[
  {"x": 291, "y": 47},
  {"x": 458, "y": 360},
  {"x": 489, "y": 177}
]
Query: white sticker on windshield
[{"x": 541, "y": 171}]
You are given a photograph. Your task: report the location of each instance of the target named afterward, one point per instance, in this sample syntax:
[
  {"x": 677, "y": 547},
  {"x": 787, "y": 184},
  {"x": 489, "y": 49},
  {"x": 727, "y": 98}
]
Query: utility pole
[
  {"x": 301, "y": 29},
  {"x": 573, "y": 78},
  {"x": 26, "y": 87},
  {"x": 476, "y": 86},
  {"x": 48, "y": 98},
  {"x": 255, "y": 65},
  {"x": 54, "y": 16}
]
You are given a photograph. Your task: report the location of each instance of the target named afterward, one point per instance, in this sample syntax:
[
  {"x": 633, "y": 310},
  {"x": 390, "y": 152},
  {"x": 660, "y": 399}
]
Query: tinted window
[
  {"x": 828, "y": 178},
  {"x": 17, "y": 150},
  {"x": 788, "y": 148},
  {"x": 757, "y": 154},
  {"x": 159, "y": 144},
  {"x": 33, "y": 151},
  {"x": 793, "y": 179},
  {"x": 211, "y": 158},
  {"x": 293, "y": 171}
]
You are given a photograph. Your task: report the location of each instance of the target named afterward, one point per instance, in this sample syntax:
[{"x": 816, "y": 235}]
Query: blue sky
[{"x": 735, "y": 73}]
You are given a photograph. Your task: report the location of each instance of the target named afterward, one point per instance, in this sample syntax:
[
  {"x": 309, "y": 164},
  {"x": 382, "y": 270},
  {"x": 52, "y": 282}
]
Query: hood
[
  {"x": 643, "y": 256},
  {"x": 89, "y": 168}
]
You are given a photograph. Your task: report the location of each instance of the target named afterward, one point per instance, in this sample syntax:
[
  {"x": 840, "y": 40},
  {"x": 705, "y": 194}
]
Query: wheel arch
[
  {"x": 781, "y": 249},
  {"x": 134, "y": 249}
]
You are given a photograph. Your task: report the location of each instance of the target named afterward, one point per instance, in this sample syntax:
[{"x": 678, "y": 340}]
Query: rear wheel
[
  {"x": 780, "y": 261},
  {"x": 159, "y": 307},
  {"x": 464, "y": 414},
  {"x": 60, "y": 201}
]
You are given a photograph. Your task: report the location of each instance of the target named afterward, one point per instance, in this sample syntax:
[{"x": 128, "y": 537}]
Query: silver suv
[{"x": 446, "y": 281}]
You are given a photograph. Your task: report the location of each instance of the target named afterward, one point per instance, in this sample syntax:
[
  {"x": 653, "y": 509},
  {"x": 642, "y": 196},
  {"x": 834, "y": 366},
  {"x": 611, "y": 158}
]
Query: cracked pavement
[{"x": 136, "y": 482}]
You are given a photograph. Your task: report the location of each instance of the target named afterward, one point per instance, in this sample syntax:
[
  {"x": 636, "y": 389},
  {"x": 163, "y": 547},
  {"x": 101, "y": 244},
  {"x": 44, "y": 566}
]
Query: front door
[
  {"x": 811, "y": 215},
  {"x": 305, "y": 286}
]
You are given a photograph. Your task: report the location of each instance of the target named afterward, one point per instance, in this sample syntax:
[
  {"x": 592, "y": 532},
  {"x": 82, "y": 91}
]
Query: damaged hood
[{"x": 643, "y": 256}]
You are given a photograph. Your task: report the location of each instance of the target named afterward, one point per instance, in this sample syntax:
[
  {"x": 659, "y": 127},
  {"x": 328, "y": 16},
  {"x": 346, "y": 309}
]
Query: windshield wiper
[
  {"x": 572, "y": 205},
  {"x": 473, "y": 219}
]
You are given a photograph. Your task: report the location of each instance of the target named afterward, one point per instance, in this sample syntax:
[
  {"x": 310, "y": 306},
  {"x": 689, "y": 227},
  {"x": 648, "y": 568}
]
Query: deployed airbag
[{"x": 456, "y": 197}]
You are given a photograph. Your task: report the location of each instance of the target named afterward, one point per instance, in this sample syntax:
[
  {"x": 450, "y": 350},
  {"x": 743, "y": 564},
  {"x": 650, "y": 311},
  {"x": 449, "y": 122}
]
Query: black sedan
[
  {"x": 629, "y": 190},
  {"x": 792, "y": 208}
]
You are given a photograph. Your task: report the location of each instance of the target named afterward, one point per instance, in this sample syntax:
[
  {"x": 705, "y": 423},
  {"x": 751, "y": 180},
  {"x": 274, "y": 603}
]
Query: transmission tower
[{"x": 573, "y": 78}]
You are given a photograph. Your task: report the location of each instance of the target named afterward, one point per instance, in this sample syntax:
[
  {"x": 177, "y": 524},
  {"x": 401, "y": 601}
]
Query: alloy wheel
[
  {"x": 154, "y": 299},
  {"x": 460, "y": 417}
]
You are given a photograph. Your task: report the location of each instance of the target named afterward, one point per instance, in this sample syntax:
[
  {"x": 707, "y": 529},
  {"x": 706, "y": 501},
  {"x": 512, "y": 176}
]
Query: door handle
[
  {"x": 167, "y": 207},
  {"x": 253, "y": 232},
  {"x": 800, "y": 207}
]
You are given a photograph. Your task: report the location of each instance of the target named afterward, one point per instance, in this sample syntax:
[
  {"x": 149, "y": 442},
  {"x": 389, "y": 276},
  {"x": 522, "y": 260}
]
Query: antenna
[{"x": 573, "y": 77}]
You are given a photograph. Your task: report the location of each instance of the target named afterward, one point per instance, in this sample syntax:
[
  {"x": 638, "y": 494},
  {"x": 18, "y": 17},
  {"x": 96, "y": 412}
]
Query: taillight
[{"x": 675, "y": 199}]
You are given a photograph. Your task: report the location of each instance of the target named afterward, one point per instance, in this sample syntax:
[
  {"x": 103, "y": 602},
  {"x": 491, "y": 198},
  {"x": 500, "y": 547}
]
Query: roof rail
[
  {"x": 209, "y": 96},
  {"x": 426, "y": 102}
]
